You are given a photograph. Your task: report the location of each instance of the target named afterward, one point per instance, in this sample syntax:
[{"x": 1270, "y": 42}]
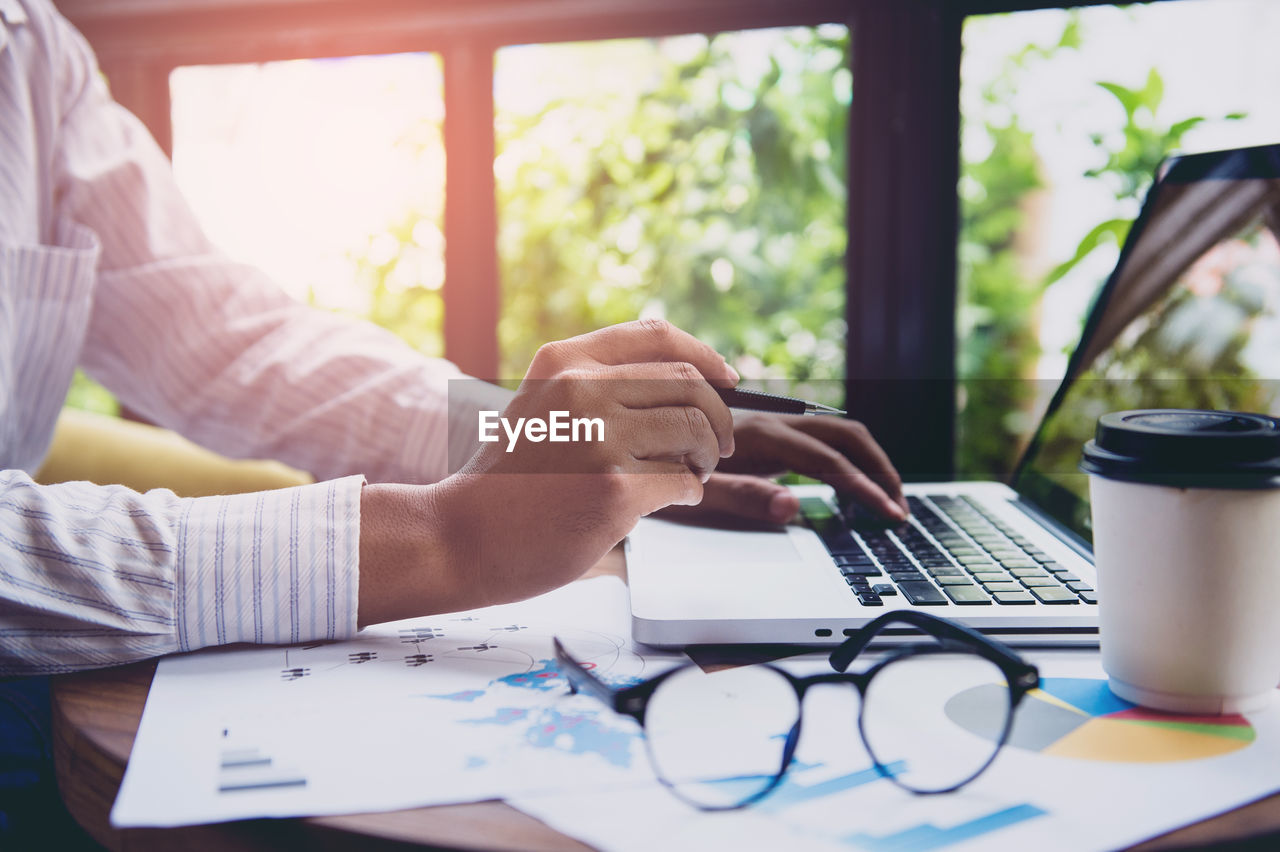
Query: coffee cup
[{"x": 1186, "y": 539}]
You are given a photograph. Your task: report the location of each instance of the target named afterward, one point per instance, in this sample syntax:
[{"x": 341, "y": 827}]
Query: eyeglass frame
[{"x": 1020, "y": 676}]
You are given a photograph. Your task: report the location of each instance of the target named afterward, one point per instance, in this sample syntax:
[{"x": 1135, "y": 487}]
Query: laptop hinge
[{"x": 1060, "y": 532}]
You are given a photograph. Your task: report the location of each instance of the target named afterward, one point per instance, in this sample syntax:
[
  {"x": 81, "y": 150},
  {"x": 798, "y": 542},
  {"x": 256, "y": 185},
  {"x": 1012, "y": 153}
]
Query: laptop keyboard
[{"x": 952, "y": 551}]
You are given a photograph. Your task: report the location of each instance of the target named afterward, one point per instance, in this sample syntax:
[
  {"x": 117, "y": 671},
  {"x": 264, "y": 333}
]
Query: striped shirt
[{"x": 103, "y": 266}]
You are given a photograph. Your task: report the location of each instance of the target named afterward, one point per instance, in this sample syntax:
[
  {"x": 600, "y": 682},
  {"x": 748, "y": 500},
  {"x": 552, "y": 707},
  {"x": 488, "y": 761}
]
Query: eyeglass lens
[
  {"x": 934, "y": 721},
  {"x": 718, "y": 738}
]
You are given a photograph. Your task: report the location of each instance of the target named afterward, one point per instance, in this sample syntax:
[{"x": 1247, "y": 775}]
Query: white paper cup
[{"x": 1186, "y": 539}]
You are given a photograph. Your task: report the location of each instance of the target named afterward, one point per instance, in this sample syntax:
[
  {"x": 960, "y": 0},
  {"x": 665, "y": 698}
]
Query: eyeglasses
[{"x": 933, "y": 715}]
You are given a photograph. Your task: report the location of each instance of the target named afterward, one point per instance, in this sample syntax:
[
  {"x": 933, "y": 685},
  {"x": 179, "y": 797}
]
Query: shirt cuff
[{"x": 275, "y": 567}]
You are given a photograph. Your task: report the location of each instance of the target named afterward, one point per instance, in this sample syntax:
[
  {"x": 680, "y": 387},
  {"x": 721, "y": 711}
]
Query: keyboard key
[
  {"x": 1080, "y": 586},
  {"x": 884, "y": 589},
  {"x": 1027, "y": 572},
  {"x": 985, "y": 577},
  {"x": 1068, "y": 578},
  {"x": 996, "y": 588},
  {"x": 860, "y": 571},
  {"x": 1056, "y": 595},
  {"x": 1043, "y": 580},
  {"x": 904, "y": 571},
  {"x": 922, "y": 593},
  {"x": 869, "y": 598},
  {"x": 953, "y": 580},
  {"x": 1014, "y": 598},
  {"x": 945, "y": 571},
  {"x": 1013, "y": 564},
  {"x": 841, "y": 542},
  {"x": 1054, "y": 568},
  {"x": 1089, "y": 597},
  {"x": 967, "y": 595},
  {"x": 814, "y": 507}
]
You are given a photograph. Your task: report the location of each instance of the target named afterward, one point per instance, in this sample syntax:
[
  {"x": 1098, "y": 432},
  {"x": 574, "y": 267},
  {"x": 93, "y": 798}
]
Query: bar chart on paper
[
  {"x": 962, "y": 824},
  {"x": 1081, "y": 718},
  {"x": 818, "y": 807},
  {"x": 1082, "y": 770},
  {"x": 267, "y": 731}
]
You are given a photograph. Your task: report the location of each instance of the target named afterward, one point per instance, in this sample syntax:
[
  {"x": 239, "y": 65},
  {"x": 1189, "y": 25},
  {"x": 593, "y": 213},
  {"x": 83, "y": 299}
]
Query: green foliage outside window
[
  {"x": 997, "y": 343},
  {"x": 87, "y": 395},
  {"x": 714, "y": 198},
  {"x": 997, "y": 321}
]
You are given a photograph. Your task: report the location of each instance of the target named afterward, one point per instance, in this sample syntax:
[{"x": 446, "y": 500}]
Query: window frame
[{"x": 904, "y": 143}]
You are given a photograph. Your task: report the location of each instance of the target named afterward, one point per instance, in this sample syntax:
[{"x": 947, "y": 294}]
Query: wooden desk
[{"x": 96, "y": 716}]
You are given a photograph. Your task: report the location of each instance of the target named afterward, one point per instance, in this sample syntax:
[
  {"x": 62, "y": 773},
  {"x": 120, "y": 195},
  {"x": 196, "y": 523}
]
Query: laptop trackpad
[
  {"x": 680, "y": 572},
  {"x": 679, "y": 544}
]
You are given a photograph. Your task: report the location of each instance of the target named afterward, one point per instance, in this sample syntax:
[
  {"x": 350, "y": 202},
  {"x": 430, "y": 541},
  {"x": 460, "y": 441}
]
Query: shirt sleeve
[
  {"x": 210, "y": 347},
  {"x": 94, "y": 576}
]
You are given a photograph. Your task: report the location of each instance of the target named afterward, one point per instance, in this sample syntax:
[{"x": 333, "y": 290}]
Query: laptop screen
[{"x": 1190, "y": 318}]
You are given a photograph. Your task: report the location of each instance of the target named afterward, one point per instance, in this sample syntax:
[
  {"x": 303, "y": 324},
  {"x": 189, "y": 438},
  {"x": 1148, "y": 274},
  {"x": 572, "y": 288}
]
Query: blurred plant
[
  {"x": 1145, "y": 140},
  {"x": 999, "y": 301},
  {"x": 713, "y": 199},
  {"x": 87, "y": 395},
  {"x": 1187, "y": 348},
  {"x": 402, "y": 271}
]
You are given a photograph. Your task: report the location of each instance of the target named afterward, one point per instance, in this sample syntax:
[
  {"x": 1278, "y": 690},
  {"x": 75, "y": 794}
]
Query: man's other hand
[{"x": 842, "y": 453}]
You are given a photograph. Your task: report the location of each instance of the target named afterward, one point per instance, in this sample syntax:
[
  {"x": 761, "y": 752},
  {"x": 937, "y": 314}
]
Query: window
[
  {"x": 326, "y": 173},
  {"x": 1066, "y": 115},
  {"x": 700, "y": 179},
  {"x": 1031, "y": 108}
]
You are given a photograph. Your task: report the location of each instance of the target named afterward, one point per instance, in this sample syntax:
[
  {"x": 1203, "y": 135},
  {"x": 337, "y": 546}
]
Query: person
[{"x": 103, "y": 266}]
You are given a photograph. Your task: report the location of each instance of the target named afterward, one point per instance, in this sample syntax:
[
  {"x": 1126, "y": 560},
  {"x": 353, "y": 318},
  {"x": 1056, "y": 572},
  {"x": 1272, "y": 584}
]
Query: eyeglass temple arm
[
  {"x": 580, "y": 679},
  {"x": 938, "y": 628}
]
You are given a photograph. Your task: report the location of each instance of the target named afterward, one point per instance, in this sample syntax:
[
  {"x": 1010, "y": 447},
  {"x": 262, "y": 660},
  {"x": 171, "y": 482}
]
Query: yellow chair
[{"x": 108, "y": 451}]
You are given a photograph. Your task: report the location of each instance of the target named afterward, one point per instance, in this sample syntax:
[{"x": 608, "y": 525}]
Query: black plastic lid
[{"x": 1186, "y": 448}]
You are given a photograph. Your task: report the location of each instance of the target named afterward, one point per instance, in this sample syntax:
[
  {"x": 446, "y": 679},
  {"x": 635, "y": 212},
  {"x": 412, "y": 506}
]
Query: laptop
[{"x": 1189, "y": 318}]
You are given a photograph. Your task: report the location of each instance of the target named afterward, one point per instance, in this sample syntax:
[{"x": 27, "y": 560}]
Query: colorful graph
[
  {"x": 927, "y": 837},
  {"x": 1081, "y": 718},
  {"x": 592, "y": 731}
]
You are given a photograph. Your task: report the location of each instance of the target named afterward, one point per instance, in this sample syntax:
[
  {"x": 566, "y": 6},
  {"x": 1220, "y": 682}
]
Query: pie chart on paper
[{"x": 1081, "y": 718}]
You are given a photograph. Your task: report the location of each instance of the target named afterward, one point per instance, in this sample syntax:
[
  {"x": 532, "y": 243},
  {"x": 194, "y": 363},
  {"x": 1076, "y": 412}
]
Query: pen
[{"x": 757, "y": 401}]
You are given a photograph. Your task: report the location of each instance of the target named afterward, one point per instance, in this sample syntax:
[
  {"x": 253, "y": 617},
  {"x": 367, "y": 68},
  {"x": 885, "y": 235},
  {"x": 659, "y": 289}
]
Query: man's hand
[
  {"x": 511, "y": 525},
  {"x": 839, "y": 452}
]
